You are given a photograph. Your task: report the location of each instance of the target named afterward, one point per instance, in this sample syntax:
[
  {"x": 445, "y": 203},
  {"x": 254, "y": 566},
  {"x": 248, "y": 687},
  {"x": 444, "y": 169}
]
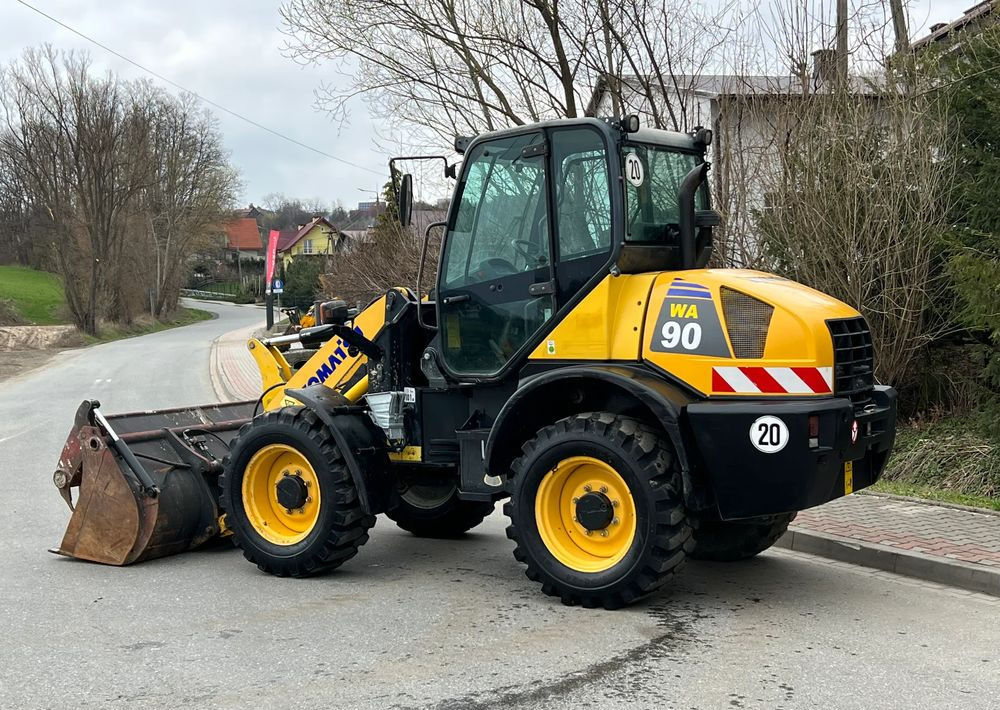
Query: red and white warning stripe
[{"x": 772, "y": 380}]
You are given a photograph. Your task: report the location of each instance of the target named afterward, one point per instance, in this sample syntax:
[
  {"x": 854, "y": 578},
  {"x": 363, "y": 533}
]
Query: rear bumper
[{"x": 747, "y": 482}]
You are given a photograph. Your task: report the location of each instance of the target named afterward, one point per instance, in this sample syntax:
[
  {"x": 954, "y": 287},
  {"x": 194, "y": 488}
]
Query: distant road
[{"x": 413, "y": 623}]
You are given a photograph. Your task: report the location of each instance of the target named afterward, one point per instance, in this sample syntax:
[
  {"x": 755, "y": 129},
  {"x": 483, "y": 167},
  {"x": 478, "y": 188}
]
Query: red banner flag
[{"x": 272, "y": 251}]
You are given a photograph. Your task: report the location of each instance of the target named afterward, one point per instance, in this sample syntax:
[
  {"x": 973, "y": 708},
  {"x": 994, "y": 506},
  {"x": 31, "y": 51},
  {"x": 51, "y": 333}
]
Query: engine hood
[{"x": 741, "y": 332}]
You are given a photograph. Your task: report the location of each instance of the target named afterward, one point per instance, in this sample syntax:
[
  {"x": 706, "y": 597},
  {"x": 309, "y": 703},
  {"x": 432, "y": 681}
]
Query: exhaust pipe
[{"x": 686, "y": 218}]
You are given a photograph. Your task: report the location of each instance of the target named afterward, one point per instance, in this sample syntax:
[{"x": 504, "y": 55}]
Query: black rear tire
[
  {"x": 643, "y": 460},
  {"x": 437, "y": 512},
  {"x": 341, "y": 526},
  {"x": 735, "y": 540}
]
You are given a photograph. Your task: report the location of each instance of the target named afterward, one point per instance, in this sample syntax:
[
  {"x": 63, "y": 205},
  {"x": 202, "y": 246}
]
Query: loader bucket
[{"x": 146, "y": 482}]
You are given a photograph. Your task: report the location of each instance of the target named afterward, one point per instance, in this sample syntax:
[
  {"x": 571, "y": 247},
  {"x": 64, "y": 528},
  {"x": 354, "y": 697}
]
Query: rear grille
[
  {"x": 747, "y": 321},
  {"x": 853, "y": 356}
]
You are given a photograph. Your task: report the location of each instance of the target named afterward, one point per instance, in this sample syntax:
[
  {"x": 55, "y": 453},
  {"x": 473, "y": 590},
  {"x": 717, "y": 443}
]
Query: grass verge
[
  {"x": 954, "y": 459},
  {"x": 36, "y": 296},
  {"x": 146, "y": 325},
  {"x": 938, "y": 494}
]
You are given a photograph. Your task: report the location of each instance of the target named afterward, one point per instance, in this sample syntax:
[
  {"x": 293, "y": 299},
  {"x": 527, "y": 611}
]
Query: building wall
[{"x": 321, "y": 239}]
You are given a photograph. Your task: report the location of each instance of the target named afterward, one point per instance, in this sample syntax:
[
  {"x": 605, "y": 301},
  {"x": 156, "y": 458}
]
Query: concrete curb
[
  {"x": 955, "y": 573},
  {"x": 226, "y": 389},
  {"x": 222, "y": 392}
]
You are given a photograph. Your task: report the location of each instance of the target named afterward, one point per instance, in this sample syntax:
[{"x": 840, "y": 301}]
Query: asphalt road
[{"x": 412, "y": 623}]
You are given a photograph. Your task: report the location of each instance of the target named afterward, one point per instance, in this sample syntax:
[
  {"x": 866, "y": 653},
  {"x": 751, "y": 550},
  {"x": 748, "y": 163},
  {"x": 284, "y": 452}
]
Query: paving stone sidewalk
[
  {"x": 949, "y": 544},
  {"x": 234, "y": 373}
]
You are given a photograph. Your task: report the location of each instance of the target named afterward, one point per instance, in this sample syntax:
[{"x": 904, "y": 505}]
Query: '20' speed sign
[{"x": 768, "y": 434}]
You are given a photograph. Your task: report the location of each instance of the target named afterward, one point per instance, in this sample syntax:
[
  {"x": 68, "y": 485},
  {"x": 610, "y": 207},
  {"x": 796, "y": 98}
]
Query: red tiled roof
[
  {"x": 282, "y": 246},
  {"x": 243, "y": 234},
  {"x": 286, "y": 236}
]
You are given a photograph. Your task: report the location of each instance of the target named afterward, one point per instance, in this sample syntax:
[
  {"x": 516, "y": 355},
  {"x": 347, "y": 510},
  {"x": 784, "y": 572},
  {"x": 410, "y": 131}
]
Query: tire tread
[
  {"x": 667, "y": 550},
  {"x": 349, "y": 526}
]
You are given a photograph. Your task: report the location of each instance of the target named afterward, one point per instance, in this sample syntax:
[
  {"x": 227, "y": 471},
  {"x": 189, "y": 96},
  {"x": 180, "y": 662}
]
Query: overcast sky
[{"x": 229, "y": 51}]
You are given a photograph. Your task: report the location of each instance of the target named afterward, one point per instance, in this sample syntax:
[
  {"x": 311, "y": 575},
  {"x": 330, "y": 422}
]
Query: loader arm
[{"x": 336, "y": 364}]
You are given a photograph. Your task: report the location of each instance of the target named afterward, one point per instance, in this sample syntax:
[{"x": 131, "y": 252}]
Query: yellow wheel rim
[
  {"x": 557, "y": 504},
  {"x": 269, "y": 517}
]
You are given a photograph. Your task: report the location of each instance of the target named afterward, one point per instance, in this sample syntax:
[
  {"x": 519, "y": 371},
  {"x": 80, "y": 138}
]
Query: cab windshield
[{"x": 653, "y": 178}]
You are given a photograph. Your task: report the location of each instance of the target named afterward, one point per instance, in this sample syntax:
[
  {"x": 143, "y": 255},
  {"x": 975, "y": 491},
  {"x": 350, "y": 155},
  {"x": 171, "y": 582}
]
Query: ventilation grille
[
  {"x": 747, "y": 321},
  {"x": 853, "y": 358}
]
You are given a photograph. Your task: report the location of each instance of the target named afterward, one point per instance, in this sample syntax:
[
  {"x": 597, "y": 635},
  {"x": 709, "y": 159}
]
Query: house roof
[
  {"x": 358, "y": 222},
  {"x": 733, "y": 85},
  {"x": 943, "y": 30},
  {"x": 304, "y": 230},
  {"x": 243, "y": 233},
  {"x": 422, "y": 217},
  {"x": 285, "y": 237}
]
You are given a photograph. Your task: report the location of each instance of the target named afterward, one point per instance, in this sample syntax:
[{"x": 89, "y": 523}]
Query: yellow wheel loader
[{"x": 574, "y": 357}]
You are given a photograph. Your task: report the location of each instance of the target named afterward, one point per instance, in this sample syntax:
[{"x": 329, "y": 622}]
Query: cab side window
[
  {"x": 497, "y": 248},
  {"x": 583, "y": 206}
]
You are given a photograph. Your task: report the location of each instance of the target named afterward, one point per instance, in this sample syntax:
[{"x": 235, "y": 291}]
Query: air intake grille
[
  {"x": 853, "y": 358},
  {"x": 747, "y": 321}
]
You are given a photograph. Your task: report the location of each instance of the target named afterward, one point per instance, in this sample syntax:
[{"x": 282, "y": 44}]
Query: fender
[
  {"x": 360, "y": 441},
  {"x": 549, "y": 396}
]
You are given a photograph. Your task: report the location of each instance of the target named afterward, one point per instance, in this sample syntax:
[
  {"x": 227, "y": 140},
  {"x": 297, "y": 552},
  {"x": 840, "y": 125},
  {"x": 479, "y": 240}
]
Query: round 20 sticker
[
  {"x": 634, "y": 172},
  {"x": 768, "y": 434}
]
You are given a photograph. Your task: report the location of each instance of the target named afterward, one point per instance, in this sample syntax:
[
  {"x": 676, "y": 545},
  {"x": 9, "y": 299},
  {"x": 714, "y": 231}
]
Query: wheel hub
[
  {"x": 291, "y": 492},
  {"x": 585, "y": 514},
  {"x": 594, "y": 511}
]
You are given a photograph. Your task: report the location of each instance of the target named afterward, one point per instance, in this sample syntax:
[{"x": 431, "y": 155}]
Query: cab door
[{"x": 495, "y": 279}]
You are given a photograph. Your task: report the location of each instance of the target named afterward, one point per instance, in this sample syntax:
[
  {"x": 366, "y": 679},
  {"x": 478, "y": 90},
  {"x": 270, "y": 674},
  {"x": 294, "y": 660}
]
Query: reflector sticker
[{"x": 772, "y": 380}]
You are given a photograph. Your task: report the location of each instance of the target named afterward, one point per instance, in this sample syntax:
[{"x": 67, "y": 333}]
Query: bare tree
[
  {"x": 97, "y": 165},
  {"x": 77, "y": 149},
  {"x": 190, "y": 185},
  {"x": 447, "y": 67},
  {"x": 855, "y": 211},
  {"x": 386, "y": 259}
]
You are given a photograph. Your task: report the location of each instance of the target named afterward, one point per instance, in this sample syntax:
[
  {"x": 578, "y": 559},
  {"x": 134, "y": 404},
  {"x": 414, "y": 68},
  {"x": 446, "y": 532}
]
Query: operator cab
[{"x": 541, "y": 214}]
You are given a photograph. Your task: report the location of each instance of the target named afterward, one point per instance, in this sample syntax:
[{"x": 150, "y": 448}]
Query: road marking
[{"x": 15, "y": 435}]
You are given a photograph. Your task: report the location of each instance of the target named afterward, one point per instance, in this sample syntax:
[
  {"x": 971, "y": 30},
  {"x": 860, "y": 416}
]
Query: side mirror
[
  {"x": 404, "y": 200},
  {"x": 707, "y": 218}
]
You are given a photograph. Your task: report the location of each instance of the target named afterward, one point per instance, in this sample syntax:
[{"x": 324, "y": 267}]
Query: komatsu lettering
[{"x": 326, "y": 370}]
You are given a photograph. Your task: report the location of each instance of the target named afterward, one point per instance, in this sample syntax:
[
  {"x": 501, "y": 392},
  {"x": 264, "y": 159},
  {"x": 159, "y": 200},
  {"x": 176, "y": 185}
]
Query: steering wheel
[
  {"x": 531, "y": 252},
  {"x": 494, "y": 267}
]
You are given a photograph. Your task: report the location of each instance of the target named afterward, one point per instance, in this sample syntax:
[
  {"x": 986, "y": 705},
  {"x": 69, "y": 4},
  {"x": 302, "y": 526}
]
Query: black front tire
[
  {"x": 342, "y": 525},
  {"x": 734, "y": 540},
  {"x": 437, "y": 512},
  {"x": 645, "y": 461}
]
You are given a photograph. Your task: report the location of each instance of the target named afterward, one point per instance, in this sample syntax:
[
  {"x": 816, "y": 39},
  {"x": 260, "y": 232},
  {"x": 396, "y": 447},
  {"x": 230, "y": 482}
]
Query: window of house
[{"x": 307, "y": 246}]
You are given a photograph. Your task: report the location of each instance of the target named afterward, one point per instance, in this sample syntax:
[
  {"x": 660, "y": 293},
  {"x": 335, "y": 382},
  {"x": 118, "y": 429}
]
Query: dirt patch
[
  {"x": 18, "y": 362},
  {"x": 39, "y": 337}
]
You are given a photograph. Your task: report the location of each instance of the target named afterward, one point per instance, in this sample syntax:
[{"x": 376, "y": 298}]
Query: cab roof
[{"x": 652, "y": 136}]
